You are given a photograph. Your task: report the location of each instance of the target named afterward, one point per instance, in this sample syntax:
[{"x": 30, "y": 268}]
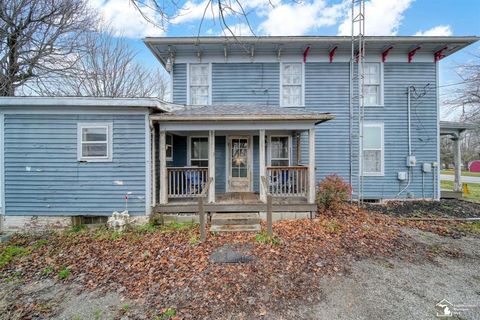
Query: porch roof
[
  {"x": 455, "y": 128},
  {"x": 242, "y": 113}
]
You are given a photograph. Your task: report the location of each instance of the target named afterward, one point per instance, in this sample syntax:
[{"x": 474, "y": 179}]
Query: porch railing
[
  {"x": 186, "y": 182},
  {"x": 288, "y": 181}
]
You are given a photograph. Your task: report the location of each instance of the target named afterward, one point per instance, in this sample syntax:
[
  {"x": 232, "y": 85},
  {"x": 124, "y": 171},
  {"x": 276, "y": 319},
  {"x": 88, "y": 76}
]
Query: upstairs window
[
  {"x": 373, "y": 149},
  {"x": 279, "y": 151},
  {"x": 199, "y": 84},
  {"x": 372, "y": 84},
  {"x": 199, "y": 151},
  {"x": 291, "y": 84},
  {"x": 94, "y": 142}
]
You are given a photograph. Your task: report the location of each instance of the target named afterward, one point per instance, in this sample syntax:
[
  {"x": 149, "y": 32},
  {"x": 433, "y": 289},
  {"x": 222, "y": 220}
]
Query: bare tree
[
  {"x": 465, "y": 98},
  {"x": 108, "y": 67},
  {"x": 223, "y": 11},
  {"x": 464, "y": 104},
  {"x": 39, "y": 38}
]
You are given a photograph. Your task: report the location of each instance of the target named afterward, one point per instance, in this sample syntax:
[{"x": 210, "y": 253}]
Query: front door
[{"x": 239, "y": 177}]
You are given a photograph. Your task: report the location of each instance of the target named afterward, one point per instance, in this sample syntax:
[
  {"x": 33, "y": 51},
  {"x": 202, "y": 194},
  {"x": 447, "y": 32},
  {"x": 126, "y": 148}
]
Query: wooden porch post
[
  {"x": 457, "y": 186},
  {"x": 311, "y": 165},
  {"x": 163, "y": 168},
  {"x": 211, "y": 165},
  {"x": 261, "y": 160}
]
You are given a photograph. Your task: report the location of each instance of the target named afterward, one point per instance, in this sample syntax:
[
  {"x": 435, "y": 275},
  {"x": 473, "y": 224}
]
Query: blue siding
[
  {"x": 43, "y": 176},
  {"x": 180, "y": 83},
  {"x": 327, "y": 91},
  {"x": 246, "y": 83},
  {"x": 256, "y": 165},
  {"x": 220, "y": 163}
]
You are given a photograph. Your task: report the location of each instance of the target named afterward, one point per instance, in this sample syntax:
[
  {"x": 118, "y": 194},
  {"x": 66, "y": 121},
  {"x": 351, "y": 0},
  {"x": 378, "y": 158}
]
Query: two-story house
[{"x": 250, "y": 117}]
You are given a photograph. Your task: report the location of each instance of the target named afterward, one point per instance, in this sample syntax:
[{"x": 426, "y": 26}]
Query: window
[
  {"x": 169, "y": 147},
  {"x": 372, "y": 96},
  {"x": 291, "y": 79},
  {"x": 94, "y": 142},
  {"x": 373, "y": 149},
  {"x": 279, "y": 151},
  {"x": 199, "y": 84},
  {"x": 199, "y": 151}
]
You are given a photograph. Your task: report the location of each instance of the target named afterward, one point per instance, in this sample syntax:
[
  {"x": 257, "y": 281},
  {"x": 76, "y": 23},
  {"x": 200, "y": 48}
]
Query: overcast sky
[{"x": 310, "y": 17}]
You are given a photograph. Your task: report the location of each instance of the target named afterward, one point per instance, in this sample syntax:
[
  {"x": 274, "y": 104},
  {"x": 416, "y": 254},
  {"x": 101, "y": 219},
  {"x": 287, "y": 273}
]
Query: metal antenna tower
[{"x": 357, "y": 77}]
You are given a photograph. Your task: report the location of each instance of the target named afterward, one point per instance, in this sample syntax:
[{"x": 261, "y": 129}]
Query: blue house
[{"x": 249, "y": 117}]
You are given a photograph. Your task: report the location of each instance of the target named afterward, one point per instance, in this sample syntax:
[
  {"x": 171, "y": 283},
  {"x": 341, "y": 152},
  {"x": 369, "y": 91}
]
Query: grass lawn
[
  {"x": 464, "y": 173},
  {"x": 473, "y": 188}
]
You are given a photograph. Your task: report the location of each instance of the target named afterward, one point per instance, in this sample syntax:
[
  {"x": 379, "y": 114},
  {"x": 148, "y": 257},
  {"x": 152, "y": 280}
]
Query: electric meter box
[
  {"x": 427, "y": 167},
  {"x": 402, "y": 176},
  {"x": 411, "y": 161}
]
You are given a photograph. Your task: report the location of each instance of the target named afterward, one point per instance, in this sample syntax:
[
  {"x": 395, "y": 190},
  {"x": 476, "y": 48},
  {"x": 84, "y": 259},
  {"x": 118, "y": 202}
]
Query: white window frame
[
  {"x": 209, "y": 82},
  {"x": 381, "y": 86},
  {"x": 302, "y": 89},
  {"x": 108, "y": 126},
  {"x": 382, "y": 153},
  {"x": 289, "y": 139},
  {"x": 189, "y": 151},
  {"x": 169, "y": 145}
]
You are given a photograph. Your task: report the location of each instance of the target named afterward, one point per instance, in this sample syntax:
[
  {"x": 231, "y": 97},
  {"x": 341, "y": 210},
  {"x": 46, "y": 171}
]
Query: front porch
[{"x": 237, "y": 163}]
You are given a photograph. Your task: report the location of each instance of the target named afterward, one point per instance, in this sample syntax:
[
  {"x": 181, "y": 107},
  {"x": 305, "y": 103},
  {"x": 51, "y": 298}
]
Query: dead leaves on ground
[{"x": 165, "y": 270}]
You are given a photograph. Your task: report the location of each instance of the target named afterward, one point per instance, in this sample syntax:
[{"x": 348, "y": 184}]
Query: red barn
[{"x": 474, "y": 166}]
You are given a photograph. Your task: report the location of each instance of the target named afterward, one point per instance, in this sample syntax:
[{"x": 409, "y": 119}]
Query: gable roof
[
  {"x": 241, "y": 112},
  {"x": 162, "y": 47}
]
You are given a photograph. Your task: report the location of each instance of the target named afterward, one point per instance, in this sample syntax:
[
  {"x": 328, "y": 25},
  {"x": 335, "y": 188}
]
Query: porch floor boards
[{"x": 236, "y": 202}]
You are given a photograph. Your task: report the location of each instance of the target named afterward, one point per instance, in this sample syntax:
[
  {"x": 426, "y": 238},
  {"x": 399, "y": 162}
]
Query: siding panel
[
  {"x": 43, "y": 176},
  {"x": 245, "y": 83},
  {"x": 180, "y": 83}
]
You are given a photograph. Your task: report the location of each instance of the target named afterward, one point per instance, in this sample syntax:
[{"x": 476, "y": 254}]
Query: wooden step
[
  {"x": 238, "y": 218},
  {"x": 236, "y": 228}
]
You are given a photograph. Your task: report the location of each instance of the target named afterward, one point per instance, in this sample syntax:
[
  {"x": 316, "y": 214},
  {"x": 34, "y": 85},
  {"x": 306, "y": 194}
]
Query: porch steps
[{"x": 235, "y": 222}]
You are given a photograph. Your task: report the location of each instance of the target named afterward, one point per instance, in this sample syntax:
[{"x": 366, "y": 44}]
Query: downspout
[{"x": 153, "y": 164}]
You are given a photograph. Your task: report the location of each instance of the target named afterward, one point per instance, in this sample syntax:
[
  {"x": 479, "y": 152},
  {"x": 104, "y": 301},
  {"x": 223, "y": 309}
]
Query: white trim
[
  {"x": 238, "y": 125},
  {"x": 382, "y": 153},
  {"x": 228, "y": 156},
  {"x": 81, "y": 101},
  {"x": 189, "y": 64},
  {"x": 2, "y": 168},
  {"x": 163, "y": 178},
  {"x": 302, "y": 89},
  {"x": 314, "y": 56},
  {"x": 108, "y": 126},
  {"x": 261, "y": 164},
  {"x": 79, "y": 110},
  {"x": 171, "y": 146},
  {"x": 187, "y": 74},
  {"x": 148, "y": 167},
  {"x": 189, "y": 148},
  {"x": 381, "y": 85},
  {"x": 269, "y": 147},
  {"x": 211, "y": 165},
  {"x": 210, "y": 81}
]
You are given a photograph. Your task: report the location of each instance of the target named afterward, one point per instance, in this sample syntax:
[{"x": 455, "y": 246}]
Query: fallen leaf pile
[{"x": 164, "y": 268}]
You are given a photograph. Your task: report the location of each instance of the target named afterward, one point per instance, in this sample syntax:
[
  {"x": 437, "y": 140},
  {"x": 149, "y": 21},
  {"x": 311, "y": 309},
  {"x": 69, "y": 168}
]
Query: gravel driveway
[{"x": 405, "y": 290}]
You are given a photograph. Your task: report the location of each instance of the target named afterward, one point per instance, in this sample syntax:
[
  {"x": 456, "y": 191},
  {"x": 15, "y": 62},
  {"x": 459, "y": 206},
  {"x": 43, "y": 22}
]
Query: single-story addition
[{"x": 91, "y": 156}]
